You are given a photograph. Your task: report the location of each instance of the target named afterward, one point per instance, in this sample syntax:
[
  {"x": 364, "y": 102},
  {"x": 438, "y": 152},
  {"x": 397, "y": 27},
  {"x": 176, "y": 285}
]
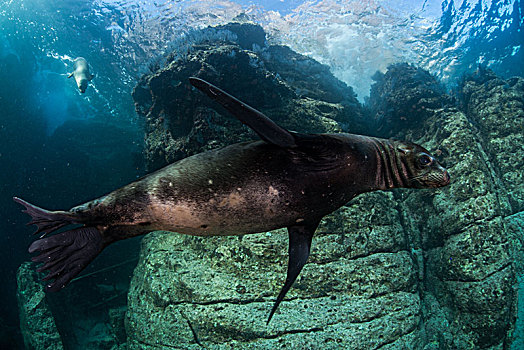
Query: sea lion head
[
  {"x": 82, "y": 84},
  {"x": 420, "y": 168}
]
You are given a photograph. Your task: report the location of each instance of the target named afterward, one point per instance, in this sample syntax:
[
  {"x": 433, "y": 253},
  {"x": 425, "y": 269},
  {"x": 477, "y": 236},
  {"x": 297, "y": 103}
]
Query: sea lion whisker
[{"x": 417, "y": 177}]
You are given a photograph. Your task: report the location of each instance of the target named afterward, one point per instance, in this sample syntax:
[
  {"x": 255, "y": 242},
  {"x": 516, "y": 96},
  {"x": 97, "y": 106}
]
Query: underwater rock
[
  {"x": 36, "y": 321},
  {"x": 217, "y": 291},
  {"x": 496, "y": 107},
  {"x": 403, "y": 97},
  {"x": 117, "y": 323},
  {"x": 431, "y": 269},
  {"x": 295, "y": 91},
  {"x": 462, "y": 232},
  {"x": 90, "y": 313}
]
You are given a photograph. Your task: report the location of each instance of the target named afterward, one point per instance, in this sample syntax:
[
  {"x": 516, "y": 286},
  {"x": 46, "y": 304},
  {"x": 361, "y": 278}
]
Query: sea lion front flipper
[
  {"x": 70, "y": 74},
  {"x": 300, "y": 237},
  {"x": 267, "y": 129}
]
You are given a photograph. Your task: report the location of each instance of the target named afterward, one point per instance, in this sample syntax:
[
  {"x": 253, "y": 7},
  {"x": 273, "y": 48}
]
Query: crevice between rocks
[
  {"x": 293, "y": 331},
  {"x": 356, "y": 257},
  {"x": 410, "y": 330},
  {"x": 193, "y": 331},
  {"x": 220, "y": 301},
  {"x": 498, "y": 183},
  {"x": 474, "y": 223},
  {"x": 485, "y": 278}
]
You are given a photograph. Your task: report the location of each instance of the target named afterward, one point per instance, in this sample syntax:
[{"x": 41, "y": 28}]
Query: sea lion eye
[{"x": 424, "y": 160}]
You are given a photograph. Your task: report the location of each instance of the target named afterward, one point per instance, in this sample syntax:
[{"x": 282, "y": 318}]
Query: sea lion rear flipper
[
  {"x": 46, "y": 221},
  {"x": 300, "y": 237},
  {"x": 64, "y": 254},
  {"x": 267, "y": 129}
]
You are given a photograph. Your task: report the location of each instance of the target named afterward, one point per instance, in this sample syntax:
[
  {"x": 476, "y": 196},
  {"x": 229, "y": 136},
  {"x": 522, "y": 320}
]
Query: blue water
[{"x": 59, "y": 148}]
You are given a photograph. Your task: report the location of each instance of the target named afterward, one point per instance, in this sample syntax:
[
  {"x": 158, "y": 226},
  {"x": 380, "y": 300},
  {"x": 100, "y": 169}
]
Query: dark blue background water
[{"x": 59, "y": 148}]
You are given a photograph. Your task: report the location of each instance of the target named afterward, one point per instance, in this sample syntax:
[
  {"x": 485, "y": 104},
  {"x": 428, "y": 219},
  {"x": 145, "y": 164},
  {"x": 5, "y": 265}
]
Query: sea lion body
[
  {"x": 243, "y": 188},
  {"x": 288, "y": 180},
  {"x": 81, "y": 74}
]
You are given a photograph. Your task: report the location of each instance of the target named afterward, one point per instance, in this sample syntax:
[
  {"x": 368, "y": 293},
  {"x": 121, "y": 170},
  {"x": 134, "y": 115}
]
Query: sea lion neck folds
[
  {"x": 287, "y": 179},
  {"x": 392, "y": 169}
]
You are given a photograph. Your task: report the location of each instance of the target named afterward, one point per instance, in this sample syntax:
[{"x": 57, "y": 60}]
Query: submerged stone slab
[
  {"x": 222, "y": 295},
  {"x": 219, "y": 290}
]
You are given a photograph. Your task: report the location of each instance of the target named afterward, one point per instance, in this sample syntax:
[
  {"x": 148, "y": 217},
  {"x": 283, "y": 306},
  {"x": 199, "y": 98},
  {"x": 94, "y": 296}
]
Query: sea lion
[
  {"x": 81, "y": 74},
  {"x": 287, "y": 179}
]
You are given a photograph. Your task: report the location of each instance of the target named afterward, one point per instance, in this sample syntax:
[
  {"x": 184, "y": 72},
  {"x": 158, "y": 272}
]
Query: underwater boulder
[
  {"x": 295, "y": 91},
  {"x": 403, "y": 97},
  {"x": 357, "y": 291},
  {"x": 496, "y": 108},
  {"x": 461, "y": 233},
  {"x": 36, "y": 320}
]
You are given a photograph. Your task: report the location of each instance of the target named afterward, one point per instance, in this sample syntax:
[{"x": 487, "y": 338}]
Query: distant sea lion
[
  {"x": 81, "y": 73},
  {"x": 286, "y": 180}
]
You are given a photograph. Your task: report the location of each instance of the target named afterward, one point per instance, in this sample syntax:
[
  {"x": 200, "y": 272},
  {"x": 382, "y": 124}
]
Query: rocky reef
[
  {"x": 466, "y": 233},
  {"x": 217, "y": 292},
  {"x": 496, "y": 108},
  {"x": 403, "y": 269},
  {"x": 408, "y": 269},
  {"x": 295, "y": 91}
]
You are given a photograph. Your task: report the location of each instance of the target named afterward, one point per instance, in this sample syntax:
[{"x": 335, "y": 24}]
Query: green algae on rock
[
  {"x": 464, "y": 230},
  {"x": 496, "y": 107}
]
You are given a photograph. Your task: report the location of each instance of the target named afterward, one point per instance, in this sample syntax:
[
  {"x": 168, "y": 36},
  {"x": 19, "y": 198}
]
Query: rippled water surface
[{"x": 355, "y": 38}]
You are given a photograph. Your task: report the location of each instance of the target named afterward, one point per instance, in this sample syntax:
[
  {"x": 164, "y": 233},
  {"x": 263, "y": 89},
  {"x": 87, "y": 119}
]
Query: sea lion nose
[{"x": 447, "y": 178}]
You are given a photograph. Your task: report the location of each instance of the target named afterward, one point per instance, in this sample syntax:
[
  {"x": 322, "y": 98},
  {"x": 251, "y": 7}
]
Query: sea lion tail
[{"x": 66, "y": 254}]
